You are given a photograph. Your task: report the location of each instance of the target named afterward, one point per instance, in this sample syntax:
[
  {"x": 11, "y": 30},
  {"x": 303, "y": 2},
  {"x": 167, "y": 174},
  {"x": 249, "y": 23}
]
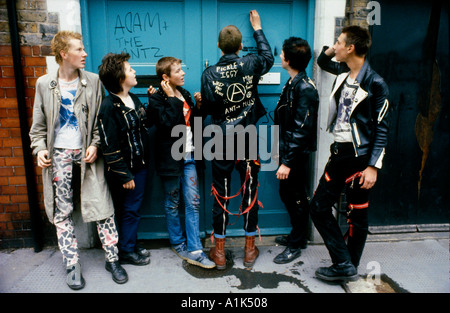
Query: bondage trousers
[
  {"x": 342, "y": 173},
  {"x": 248, "y": 172}
]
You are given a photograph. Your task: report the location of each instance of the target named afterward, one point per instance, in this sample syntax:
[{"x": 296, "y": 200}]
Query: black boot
[
  {"x": 345, "y": 271},
  {"x": 119, "y": 275},
  {"x": 288, "y": 255}
]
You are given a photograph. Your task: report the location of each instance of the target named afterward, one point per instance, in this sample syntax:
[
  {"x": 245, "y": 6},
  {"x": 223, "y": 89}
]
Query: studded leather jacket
[{"x": 124, "y": 137}]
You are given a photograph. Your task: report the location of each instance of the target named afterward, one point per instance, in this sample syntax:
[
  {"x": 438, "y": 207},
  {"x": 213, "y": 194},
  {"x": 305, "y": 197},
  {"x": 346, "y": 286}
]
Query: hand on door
[{"x": 255, "y": 20}]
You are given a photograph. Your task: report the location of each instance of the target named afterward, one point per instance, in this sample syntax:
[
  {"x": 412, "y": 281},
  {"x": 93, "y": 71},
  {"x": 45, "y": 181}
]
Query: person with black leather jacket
[
  {"x": 296, "y": 116},
  {"x": 124, "y": 141},
  {"x": 358, "y": 119},
  {"x": 229, "y": 94}
]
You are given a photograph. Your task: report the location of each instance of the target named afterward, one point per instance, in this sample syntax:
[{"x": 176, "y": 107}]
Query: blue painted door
[{"x": 149, "y": 30}]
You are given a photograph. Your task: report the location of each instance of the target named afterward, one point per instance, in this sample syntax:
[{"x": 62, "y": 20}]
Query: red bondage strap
[
  {"x": 242, "y": 189},
  {"x": 349, "y": 221}
]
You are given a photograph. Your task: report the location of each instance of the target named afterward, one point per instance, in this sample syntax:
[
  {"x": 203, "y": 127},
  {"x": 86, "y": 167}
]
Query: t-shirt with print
[
  {"x": 342, "y": 130},
  {"x": 67, "y": 130}
]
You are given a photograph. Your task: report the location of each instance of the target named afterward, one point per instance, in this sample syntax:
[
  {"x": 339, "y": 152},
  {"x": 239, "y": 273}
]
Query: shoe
[
  {"x": 74, "y": 277},
  {"x": 200, "y": 259},
  {"x": 181, "y": 250},
  {"x": 283, "y": 241},
  {"x": 251, "y": 252},
  {"x": 343, "y": 271},
  {"x": 133, "y": 258},
  {"x": 142, "y": 251},
  {"x": 288, "y": 255},
  {"x": 119, "y": 275},
  {"x": 217, "y": 254}
]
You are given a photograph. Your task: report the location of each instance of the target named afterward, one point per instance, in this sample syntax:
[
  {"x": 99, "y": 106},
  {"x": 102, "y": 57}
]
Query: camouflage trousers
[{"x": 66, "y": 164}]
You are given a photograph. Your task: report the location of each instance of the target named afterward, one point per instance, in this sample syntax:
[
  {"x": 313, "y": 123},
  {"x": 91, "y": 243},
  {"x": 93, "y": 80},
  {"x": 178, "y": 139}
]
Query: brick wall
[{"x": 36, "y": 27}]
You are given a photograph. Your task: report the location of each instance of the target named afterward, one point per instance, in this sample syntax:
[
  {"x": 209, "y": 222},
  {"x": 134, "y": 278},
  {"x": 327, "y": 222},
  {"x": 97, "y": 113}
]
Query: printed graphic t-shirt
[
  {"x": 67, "y": 130},
  {"x": 342, "y": 130}
]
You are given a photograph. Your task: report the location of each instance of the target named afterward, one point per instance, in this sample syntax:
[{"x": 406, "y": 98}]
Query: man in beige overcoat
[{"x": 65, "y": 139}]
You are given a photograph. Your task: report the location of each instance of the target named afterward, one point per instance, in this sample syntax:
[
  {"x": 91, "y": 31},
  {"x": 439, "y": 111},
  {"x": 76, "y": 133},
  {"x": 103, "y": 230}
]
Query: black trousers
[
  {"x": 221, "y": 172},
  {"x": 293, "y": 193},
  {"x": 341, "y": 173}
]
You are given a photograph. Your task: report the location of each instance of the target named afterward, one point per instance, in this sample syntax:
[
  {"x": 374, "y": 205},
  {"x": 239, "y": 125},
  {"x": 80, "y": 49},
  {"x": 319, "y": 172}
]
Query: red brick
[
  {"x": 31, "y": 82},
  {"x": 14, "y": 132},
  {"x": 26, "y": 50},
  {"x": 5, "y": 152},
  {"x": 13, "y": 113},
  {"x": 9, "y": 190},
  {"x": 5, "y": 50},
  {"x": 12, "y": 142},
  {"x": 4, "y": 133},
  {"x": 28, "y": 71},
  {"x": 7, "y": 71},
  {"x": 8, "y": 171},
  {"x": 15, "y": 161},
  {"x": 12, "y": 208},
  {"x": 37, "y": 50},
  {"x": 4, "y": 199},
  {"x": 35, "y": 61},
  {"x": 10, "y": 93},
  {"x": 6, "y": 61},
  {"x": 8, "y": 103},
  {"x": 19, "y": 170},
  {"x": 4, "y": 181},
  {"x": 39, "y": 71},
  {"x": 7, "y": 82},
  {"x": 17, "y": 152},
  {"x": 19, "y": 198},
  {"x": 17, "y": 180},
  {"x": 10, "y": 122}
]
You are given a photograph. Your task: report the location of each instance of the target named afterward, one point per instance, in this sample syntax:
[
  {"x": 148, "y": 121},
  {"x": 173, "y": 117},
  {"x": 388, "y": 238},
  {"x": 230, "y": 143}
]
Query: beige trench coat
[{"x": 96, "y": 201}]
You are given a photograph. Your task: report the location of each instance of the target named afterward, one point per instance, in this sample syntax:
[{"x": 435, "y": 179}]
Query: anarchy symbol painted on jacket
[{"x": 236, "y": 92}]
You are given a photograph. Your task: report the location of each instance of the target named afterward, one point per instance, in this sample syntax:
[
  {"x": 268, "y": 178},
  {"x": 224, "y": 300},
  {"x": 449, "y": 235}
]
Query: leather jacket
[
  {"x": 165, "y": 113},
  {"x": 124, "y": 137},
  {"x": 296, "y": 115},
  {"x": 369, "y": 118},
  {"x": 229, "y": 88}
]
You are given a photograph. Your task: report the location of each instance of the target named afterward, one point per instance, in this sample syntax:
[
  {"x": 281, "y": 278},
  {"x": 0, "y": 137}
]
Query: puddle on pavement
[{"x": 248, "y": 279}]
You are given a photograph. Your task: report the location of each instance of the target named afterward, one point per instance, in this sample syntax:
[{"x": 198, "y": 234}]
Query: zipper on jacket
[
  {"x": 355, "y": 129},
  {"x": 104, "y": 134},
  {"x": 306, "y": 117}
]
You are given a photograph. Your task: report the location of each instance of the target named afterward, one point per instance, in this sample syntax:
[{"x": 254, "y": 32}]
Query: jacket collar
[
  {"x": 227, "y": 58},
  {"x": 301, "y": 75}
]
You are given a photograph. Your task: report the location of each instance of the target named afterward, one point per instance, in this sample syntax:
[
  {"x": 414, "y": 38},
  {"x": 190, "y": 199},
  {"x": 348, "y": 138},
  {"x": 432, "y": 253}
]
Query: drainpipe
[{"x": 36, "y": 222}]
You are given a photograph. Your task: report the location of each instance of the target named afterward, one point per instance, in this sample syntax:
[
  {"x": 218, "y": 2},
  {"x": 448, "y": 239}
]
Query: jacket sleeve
[
  {"x": 99, "y": 97},
  {"x": 327, "y": 64},
  {"x": 110, "y": 143},
  {"x": 265, "y": 55},
  {"x": 299, "y": 130},
  {"x": 163, "y": 112},
  {"x": 38, "y": 131},
  {"x": 380, "y": 104}
]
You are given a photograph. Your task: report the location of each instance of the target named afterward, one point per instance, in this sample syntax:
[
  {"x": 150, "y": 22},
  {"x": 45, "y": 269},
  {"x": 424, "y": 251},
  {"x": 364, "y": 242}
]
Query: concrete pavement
[{"x": 403, "y": 263}]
